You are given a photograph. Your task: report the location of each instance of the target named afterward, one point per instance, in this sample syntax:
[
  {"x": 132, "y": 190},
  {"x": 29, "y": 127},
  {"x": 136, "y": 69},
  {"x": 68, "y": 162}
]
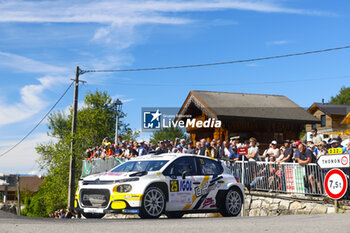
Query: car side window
[
  {"x": 209, "y": 166},
  {"x": 180, "y": 165}
]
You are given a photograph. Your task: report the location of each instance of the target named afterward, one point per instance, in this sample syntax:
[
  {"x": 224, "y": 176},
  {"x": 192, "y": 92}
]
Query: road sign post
[{"x": 242, "y": 151}]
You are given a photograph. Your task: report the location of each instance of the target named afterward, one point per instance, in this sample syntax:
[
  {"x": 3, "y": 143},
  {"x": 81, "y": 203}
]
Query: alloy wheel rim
[
  {"x": 233, "y": 202},
  {"x": 154, "y": 202}
]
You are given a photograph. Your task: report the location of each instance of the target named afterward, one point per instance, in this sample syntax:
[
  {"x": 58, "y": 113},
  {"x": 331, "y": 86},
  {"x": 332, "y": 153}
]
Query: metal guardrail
[
  {"x": 98, "y": 165},
  {"x": 289, "y": 178}
]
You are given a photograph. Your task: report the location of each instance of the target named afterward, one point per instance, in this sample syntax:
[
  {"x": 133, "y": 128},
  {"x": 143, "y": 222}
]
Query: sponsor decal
[
  {"x": 188, "y": 206},
  {"x": 181, "y": 197},
  {"x": 131, "y": 211},
  {"x": 132, "y": 197},
  {"x": 208, "y": 202},
  {"x": 180, "y": 185},
  {"x": 108, "y": 174},
  {"x": 206, "y": 187},
  {"x": 185, "y": 185}
]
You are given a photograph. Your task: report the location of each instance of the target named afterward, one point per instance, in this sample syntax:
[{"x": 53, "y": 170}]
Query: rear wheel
[
  {"x": 232, "y": 203},
  {"x": 174, "y": 214},
  {"x": 153, "y": 203},
  {"x": 93, "y": 215}
]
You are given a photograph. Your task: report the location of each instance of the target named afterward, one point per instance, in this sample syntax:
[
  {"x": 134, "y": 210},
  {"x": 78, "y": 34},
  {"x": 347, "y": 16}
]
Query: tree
[
  {"x": 168, "y": 134},
  {"x": 343, "y": 97},
  {"x": 96, "y": 120}
]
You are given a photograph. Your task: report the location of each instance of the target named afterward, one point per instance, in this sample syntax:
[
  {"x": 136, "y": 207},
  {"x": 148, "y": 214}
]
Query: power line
[
  {"x": 36, "y": 126},
  {"x": 231, "y": 84},
  {"x": 219, "y": 63}
]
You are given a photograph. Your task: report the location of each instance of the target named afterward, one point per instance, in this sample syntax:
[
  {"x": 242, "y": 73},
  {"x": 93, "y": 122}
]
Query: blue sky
[{"x": 41, "y": 42}]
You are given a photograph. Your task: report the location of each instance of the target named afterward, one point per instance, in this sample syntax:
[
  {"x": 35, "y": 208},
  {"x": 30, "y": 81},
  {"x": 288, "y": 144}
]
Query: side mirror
[{"x": 184, "y": 174}]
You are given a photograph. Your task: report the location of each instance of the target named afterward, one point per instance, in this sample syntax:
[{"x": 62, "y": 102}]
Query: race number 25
[{"x": 174, "y": 186}]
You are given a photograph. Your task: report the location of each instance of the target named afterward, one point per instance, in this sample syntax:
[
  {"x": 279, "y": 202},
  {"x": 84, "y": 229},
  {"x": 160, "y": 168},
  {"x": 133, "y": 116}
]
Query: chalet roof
[
  {"x": 241, "y": 105},
  {"x": 346, "y": 120},
  {"x": 331, "y": 109},
  {"x": 27, "y": 183}
]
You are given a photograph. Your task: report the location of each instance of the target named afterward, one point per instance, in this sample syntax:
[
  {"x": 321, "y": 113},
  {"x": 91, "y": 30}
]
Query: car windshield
[{"x": 140, "y": 166}]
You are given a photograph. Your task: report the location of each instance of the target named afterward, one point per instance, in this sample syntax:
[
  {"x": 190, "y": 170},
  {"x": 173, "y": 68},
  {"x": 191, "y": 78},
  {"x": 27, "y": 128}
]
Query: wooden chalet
[
  {"x": 265, "y": 117},
  {"x": 334, "y": 118},
  {"x": 28, "y": 184}
]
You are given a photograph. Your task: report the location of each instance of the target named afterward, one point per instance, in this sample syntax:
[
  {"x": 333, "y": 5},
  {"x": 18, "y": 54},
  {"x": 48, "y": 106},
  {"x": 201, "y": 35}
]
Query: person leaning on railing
[
  {"x": 305, "y": 156},
  {"x": 272, "y": 153},
  {"x": 253, "y": 150},
  {"x": 287, "y": 154}
]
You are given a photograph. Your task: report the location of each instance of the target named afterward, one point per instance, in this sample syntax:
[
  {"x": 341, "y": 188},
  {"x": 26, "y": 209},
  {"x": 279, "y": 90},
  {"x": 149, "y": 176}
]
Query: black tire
[
  {"x": 92, "y": 215},
  {"x": 153, "y": 203},
  {"x": 232, "y": 203},
  {"x": 174, "y": 214}
]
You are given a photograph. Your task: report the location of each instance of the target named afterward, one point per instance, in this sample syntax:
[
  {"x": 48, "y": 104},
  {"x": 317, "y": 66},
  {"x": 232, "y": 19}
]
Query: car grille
[
  {"x": 94, "y": 197},
  {"x": 103, "y": 182}
]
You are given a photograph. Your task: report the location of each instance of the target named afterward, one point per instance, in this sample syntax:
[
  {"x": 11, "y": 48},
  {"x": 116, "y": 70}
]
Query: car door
[
  {"x": 180, "y": 188},
  {"x": 206, "y": 183}
]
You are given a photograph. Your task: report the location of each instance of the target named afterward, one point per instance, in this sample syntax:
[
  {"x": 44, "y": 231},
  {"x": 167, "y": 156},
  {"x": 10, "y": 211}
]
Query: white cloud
[
  {"x": 122, "y": 16},
  {"x": 24, "y": 64},
  {"x": 34, "y": 172},
  {"x": 127, "y": 100},
  {"x": 23, "y": 158},
  {"x": 128, "y": 12},
  {"x": 31, "y": 101},
  {"x": 277, "y": 42}
]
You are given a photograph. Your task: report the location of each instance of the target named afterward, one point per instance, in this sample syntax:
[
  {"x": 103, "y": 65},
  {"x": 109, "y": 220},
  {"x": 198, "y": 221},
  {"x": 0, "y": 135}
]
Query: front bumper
[{"x": 116, "y": 205}]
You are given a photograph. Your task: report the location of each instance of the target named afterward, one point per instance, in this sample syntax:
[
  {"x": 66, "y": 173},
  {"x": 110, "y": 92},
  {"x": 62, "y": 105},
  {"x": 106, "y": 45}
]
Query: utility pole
[
  {"x": 18, "y": 197},
  {"x": 71, "y": 188},
  {"x": 118, "y": 105}
]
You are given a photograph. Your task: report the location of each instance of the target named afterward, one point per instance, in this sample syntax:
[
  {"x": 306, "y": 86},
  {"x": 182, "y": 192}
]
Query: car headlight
[{"x": 123, "y": 188}]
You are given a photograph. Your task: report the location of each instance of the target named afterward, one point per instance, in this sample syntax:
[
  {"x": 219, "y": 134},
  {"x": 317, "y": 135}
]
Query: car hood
[{"x": 106, "y": 176}]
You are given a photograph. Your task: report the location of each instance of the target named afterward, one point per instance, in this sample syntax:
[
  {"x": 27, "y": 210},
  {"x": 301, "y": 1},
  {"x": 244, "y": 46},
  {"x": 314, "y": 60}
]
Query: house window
[
  {"x": 313, "y": 126},
  {"x": 278, "y": 137},
  {"x": 323, "y": 120}
]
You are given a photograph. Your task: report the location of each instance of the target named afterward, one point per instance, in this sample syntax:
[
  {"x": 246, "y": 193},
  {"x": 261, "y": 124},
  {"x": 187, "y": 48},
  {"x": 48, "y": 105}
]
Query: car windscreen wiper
[{"x": 139, "y": 173}]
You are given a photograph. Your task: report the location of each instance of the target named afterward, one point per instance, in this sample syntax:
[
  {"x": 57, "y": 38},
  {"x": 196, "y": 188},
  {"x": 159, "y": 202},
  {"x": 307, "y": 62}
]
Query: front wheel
[
  {"x": 232, "y": 203},
  {"x": 153, "y": 203},
  {"x": 91, "y": 215}
]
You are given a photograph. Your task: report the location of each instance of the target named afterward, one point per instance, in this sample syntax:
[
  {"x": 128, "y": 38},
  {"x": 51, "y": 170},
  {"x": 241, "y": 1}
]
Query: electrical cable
[
  {"x": 36, "y": 126},
  {"x": 229, "y": 84},
  {"x": 220, "y": 63}
]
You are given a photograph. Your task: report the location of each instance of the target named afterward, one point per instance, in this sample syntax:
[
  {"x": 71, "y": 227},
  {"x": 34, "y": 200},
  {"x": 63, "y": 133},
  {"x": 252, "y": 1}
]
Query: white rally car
[{"x": 169, "y": 184}]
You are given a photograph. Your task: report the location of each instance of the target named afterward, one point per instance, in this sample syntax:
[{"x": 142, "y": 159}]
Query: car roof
[{"x": 166, "y": 156}]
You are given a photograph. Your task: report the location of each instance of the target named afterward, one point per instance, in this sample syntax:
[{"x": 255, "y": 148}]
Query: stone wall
[{"x": 272, "y": 204}]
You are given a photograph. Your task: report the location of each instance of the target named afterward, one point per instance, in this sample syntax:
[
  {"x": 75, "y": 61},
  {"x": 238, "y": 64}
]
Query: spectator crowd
[
  {"x": 290, "y": 151},
  {"x": 64, "y": 214},
  {"x": 270, "y": 176}
]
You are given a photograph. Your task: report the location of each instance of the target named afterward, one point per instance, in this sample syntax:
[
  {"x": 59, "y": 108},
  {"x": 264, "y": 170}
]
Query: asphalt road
[{"x": 280, "y": 224}]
